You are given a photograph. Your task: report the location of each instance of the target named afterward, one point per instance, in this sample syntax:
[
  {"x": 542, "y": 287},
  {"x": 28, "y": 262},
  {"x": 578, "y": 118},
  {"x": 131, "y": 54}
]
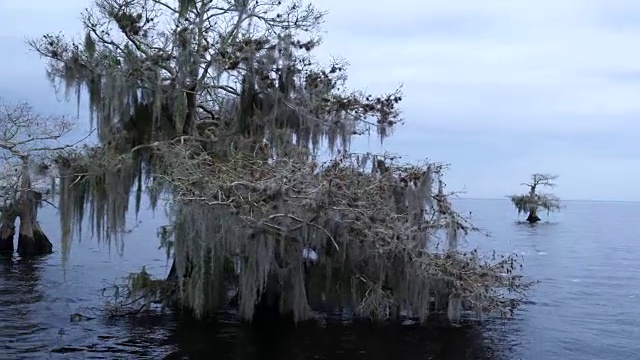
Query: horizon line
[{"x": 562, "y": 200}]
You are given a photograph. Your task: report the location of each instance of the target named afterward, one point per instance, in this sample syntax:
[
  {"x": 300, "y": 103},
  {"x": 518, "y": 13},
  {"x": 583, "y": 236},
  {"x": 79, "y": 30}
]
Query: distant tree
[
  {"x": 28, "y": 144},
  {"x": 533, "y": 201}
]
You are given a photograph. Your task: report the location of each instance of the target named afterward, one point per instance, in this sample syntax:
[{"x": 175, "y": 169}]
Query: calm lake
[{"x": 587, "y": 305}]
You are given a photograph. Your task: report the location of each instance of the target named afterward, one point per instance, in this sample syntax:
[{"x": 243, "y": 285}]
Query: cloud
[
  {"x": 500, "y": 89},
  {"x": 504, "y": 89},
  {"x": 522, "y": 63}
]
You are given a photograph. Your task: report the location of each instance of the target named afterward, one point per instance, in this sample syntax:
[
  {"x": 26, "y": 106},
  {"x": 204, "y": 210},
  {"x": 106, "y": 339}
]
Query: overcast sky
[{"x": 499, "y": 89}]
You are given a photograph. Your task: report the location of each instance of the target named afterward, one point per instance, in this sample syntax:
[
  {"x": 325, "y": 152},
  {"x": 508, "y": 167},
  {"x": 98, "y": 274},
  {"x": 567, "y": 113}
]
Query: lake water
[{"x": 586, "y": 306}]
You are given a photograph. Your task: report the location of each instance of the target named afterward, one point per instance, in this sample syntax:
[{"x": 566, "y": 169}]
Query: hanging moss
[{"x": 100, "y": 182}]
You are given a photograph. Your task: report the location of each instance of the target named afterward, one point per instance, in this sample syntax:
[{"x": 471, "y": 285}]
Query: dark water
[{"x": 586, "y": 307}]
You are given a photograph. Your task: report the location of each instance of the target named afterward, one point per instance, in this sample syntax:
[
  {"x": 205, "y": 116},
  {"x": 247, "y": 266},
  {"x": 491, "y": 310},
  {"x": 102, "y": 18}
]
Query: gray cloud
[
  {"x": 526, "y": 86},
  {"x": 500, "y": 89}
]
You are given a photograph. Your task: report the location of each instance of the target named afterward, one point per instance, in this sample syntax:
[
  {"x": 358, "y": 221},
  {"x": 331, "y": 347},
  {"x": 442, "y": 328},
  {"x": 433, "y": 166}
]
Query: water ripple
[{"x": 585, "y": 307}]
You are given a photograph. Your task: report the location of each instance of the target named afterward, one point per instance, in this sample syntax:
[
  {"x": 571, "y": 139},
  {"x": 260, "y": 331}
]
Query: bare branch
[{"x": 30, "y": 141}]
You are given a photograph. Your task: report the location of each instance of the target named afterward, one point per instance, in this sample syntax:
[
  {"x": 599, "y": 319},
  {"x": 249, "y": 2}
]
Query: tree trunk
[
  {"x": 533, "y": 216},
  {"x": 7, "y": 230},
  {"x": 267, "y": 313},
  {"x": 171, "y": 294},
  {"x": 31, "y": 238},
  {"x": 269, "y": 304}
]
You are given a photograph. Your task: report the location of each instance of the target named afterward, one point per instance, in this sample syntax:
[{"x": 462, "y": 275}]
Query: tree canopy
[{"x": 218, "y": 107}]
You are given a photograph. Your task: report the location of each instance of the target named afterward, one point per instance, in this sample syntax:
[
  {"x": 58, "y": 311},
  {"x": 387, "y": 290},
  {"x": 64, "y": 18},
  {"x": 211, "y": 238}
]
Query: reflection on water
[
  {"x": 586, "y": 306},
  {"x": 20, "y": 295},
  {"x": 33, "y": 328},
  {"x": 333, "y": 341}
]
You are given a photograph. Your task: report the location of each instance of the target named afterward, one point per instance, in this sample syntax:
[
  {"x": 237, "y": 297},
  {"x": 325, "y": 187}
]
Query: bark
[
  {"x": 31, "y": 238},
  {"x": 7, "y": 230},
  {"x": 171, "y": 295},
  {"x": 33, "y": 241},
  {"x": 533, "y": 213},
  {"x": 172, "y": 292}
]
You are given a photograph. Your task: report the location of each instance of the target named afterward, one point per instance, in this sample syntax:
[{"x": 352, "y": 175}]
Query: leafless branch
[{"x": 30, "y": 141}]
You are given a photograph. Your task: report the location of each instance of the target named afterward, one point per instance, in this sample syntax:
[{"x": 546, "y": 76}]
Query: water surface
[{"x": 586, "y": 306}]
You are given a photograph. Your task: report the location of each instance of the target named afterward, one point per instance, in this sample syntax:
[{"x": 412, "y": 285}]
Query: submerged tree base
[
  {"x": 6, "y": 244},
  {"x": 38, "y": 244},
  {"x": 533, "y": 218},
  {"x": 7, "y": 232},
  {"x": 267, "y": 309}
]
